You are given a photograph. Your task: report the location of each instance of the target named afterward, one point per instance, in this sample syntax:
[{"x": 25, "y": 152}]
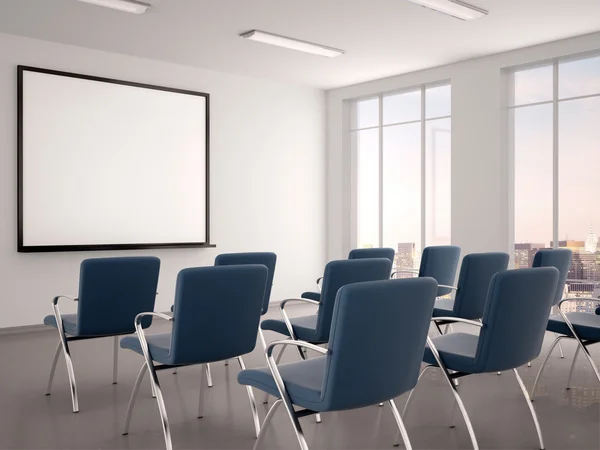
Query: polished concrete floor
[{"x": 31, "y": 420}]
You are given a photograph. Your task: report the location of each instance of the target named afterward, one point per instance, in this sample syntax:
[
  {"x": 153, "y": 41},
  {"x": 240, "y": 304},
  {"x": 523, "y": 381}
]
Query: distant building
[
  {"x": 407, "y": 257},
  {"x": 524, "y": 254}
]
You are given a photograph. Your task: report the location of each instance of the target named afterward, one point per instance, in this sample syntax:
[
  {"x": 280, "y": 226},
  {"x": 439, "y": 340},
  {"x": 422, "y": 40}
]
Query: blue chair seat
[
  {"x": 457, "y": 350},
  {"x": 158, "y": 344},
  {"x": 305, "y": 327},
  {"x": 303, "y": 381},
  {"x": 586, "y": 325},
  {"x": 69, "y": 323},
  {"x": 316, "y": 296},
  {"x": 443, "y": 307}
]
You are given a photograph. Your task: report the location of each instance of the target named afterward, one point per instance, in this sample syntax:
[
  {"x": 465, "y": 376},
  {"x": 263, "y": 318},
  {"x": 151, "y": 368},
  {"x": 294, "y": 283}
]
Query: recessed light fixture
[
  {"x": 293, "y": 44},
  {"x": 130, "y": 6},
  {"x": 454, "y": 8}
]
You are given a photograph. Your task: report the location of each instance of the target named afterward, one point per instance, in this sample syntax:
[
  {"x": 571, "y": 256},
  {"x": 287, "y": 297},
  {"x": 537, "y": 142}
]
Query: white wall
[
  {"x": 480, "y": 189},
  {"x": 267, "y": 177}
]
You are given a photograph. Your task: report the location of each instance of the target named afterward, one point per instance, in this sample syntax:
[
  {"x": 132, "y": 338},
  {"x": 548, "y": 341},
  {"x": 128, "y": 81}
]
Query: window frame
[
  {"x": 555, "y": 102},
  {"x": 423, "y": 120}
]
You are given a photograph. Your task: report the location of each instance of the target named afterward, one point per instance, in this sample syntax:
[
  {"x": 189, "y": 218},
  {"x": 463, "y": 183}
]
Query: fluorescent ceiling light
[
  {"x": 293, "y": 44},
  {"x": 130, "y": 6},
  {"x": 454, "y": 8}
]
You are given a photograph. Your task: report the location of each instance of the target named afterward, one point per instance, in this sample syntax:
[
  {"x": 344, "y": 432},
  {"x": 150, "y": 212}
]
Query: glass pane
[
  {"x": 533, "y": 181},
  {"x": 404, "y": 107},
  {"x": 579, "y": 188},
  {"x": 402, "y": 193},
  {"x": 367, "y": 145},
  {"x": 577, "y": 78},
  {"x": 533, "y": 85},
  {"x": 438, "y": 101},
  {"x": 365, "y": 114},
  {"x": 438, "y": 175}
]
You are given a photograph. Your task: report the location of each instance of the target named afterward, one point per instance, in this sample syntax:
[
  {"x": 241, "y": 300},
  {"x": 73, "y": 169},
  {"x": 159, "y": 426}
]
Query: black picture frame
[{"x": 21, "y": 248}]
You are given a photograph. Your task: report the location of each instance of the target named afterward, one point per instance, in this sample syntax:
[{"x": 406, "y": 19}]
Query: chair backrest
[
  {"x": 112, "y": 291},
  {"x": 440, "y": 263},
  {"x": 267, "y": 259},
  {"x": 364, "y": 253},
  {"x": 476, "y": 272},
  {"x": 341, "y": 273},
  {"x": 378, "y": 334},
  {"x": 217, "y": 312},
  {"x": 515, "y": 318},
  {"x": 559, "y": 258}
]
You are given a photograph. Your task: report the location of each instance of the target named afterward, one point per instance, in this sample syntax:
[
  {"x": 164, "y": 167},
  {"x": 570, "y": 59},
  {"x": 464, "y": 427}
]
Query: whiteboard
[{"x": 108, "y": 164}]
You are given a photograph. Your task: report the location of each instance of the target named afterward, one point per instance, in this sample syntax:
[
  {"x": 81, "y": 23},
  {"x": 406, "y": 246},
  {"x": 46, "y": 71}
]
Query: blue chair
[
  {"x": 511, "y": 334},
  {"x": 112, "y": 291},
  {"x": 438, "y": 262},
  {"x": 357, "y": 253},
  {"x": 376, "y": 340},
  {"x": 267, "y": 259},
  {"x": 206, "y": 298},
  {"x": 583, "y": 327},
  {"x": 476, "y": 272}
]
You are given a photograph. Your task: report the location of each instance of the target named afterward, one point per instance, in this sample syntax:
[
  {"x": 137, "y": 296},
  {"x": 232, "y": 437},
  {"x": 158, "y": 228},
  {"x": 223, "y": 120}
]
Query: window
[
  {"x": 555, "y": 119},
  {"x": 402, "y": 147}
]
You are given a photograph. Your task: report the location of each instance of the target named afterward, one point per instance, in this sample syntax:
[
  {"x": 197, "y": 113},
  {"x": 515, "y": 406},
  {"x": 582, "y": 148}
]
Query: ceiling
[{"x": 381, "y": 37}]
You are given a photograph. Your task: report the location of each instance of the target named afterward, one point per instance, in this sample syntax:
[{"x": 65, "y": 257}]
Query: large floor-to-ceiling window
[
  {"x": 555, "y": 122},
  {"x": 402, "y": 146}
]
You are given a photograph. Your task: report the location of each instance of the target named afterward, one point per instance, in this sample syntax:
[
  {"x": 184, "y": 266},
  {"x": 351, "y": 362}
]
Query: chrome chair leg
[
  {"x": 401, "y": 427},
  {"x": 573, "y": 367},
  {"x": 531, "y": 408},
  {"x": 116, "y": 360},
  {"x": 277, "y": 359},
  {"x": 261, "y": 336},
  {"x": 589, "y": 357},
  {"x": 560, "y": 349},
  {"x": 68, "y": 361},
  {"x": 162, "y": 409},
  {"x": 457, "y": 397},
  {"x": 409, "y": 399},
  {"x": 208, "y": 376},
  {"x": 252, "y": 401},
  {"x": 203, "y": 376},
  {"x": 53, "y": 368},
  {"x": 539, "y": 374},
  {"x": 266, "y": 423},
  {"x": 132, "y": 399}
]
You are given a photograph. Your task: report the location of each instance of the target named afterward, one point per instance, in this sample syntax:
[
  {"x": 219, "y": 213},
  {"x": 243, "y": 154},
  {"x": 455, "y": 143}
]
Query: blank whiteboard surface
[{"x": 111, "y": 164}]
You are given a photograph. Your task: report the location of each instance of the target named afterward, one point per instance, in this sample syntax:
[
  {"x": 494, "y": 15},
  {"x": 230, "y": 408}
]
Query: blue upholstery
[
  {"x": 357, "y": 253},
  {"x": 112, "y": 291},
  {"x": 206, "y": 298},
  {"x": 158, "y": 344},
  {"x": 365, "y": 253},
  {"x": 514, "y": 322},
  {"x": 69, "y": 323},
  {"x": 440, "y": 263},
  {"x": 305, "y": 327},
  {"x": 267, "y": 259},
  {"x": 316, "y": 296},
  {"x": 377, "y": 336},
  {"x": 338, "y": 274},
  {"x": 559, "y": 258},
  {"x": 476, "y": 272},
  {"x": 587, "y": 326}
]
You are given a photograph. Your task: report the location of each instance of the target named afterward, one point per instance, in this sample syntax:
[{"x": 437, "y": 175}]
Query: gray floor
[{"x": 30, "y": 420}]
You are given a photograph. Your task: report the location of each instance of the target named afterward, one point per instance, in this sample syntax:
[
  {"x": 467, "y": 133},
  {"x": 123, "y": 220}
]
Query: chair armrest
[
  {"x": 319, "y": 283},
  {"x": 275, "y": 371},
  {"x": 457, "y": 319},
  {"x": 70, "y": 297},
  {"x": 445, "y": 286},
  {"x": 285, "y": 317},
  {"x": 413, "y": 271},
  {"x": 140, "y": 331}
]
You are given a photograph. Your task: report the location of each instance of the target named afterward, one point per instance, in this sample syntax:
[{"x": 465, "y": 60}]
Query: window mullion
[
  {"x": 423, "y": 171},
  {"x": 381, "y": 193},
  {"x": 555, "y": 171}
]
